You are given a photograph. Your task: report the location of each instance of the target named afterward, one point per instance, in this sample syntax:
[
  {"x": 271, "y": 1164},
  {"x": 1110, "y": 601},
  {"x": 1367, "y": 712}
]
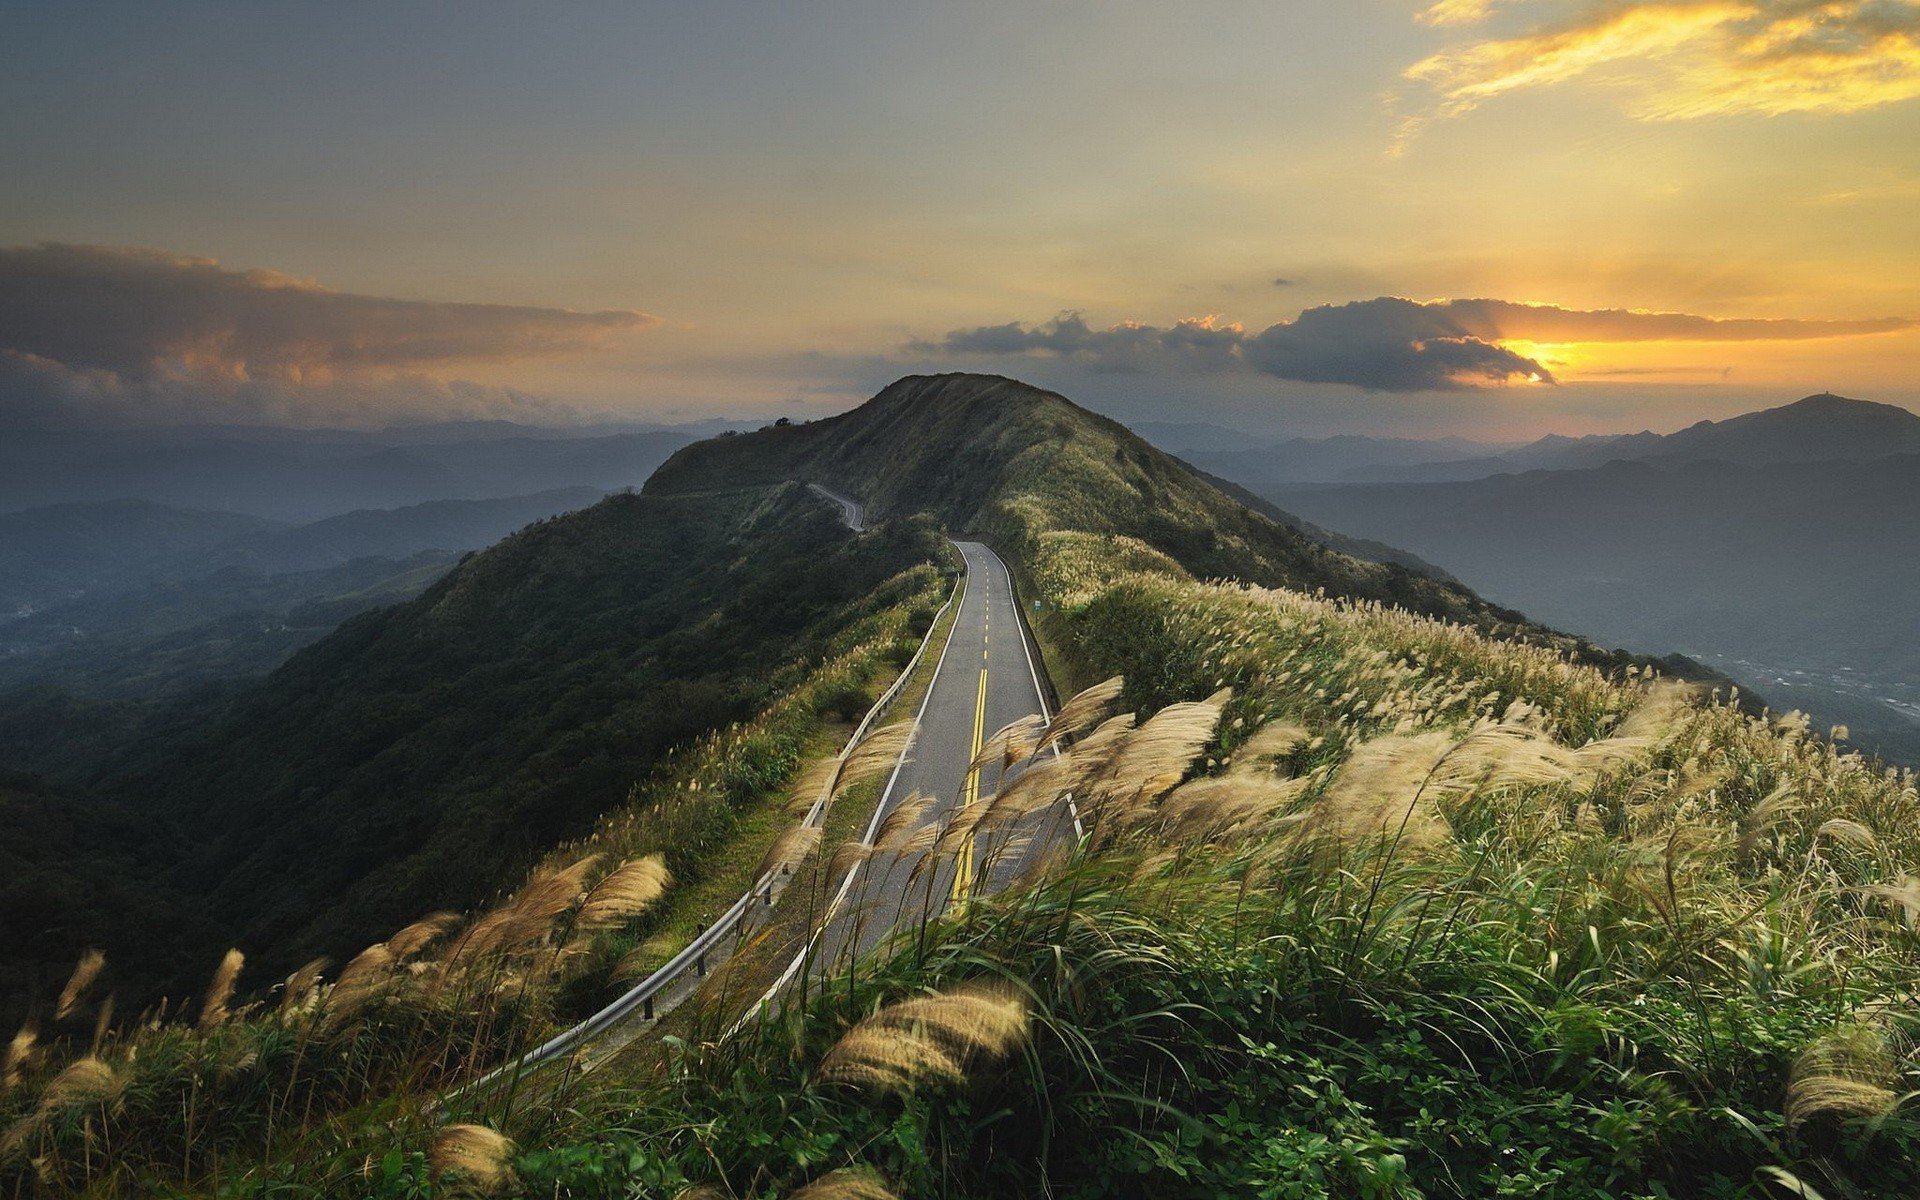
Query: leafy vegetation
[
  {"x": 1373, "y": 903},
  {"x": 425, "y": 755}
]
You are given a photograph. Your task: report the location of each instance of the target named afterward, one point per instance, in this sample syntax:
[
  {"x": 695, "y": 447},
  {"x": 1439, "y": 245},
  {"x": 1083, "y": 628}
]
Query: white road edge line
[
  {"x": 873, "y": 825},
  {"x": 1039, "y": 693}
]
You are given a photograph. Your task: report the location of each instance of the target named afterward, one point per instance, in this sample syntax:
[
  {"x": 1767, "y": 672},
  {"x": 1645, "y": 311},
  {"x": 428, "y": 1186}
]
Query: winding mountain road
[{"x": 987, "y": 677}]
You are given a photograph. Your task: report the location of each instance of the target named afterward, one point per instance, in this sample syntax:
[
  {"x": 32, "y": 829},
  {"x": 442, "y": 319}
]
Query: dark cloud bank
[
  {"x": 1386, "y": 344},
  {"x": 123, "y": 334}
]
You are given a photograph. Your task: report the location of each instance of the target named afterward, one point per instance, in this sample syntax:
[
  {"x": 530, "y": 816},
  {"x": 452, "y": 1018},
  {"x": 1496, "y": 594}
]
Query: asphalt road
[
  {"x": 852, "y": 511},
  {"x": 986, "y": 679}
]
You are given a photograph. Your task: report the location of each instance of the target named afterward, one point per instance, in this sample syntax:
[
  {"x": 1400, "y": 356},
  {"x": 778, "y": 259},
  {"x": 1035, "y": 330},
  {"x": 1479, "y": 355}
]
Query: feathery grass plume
[
  {"x": 528, "y": 916},
  {"x": 1378, "y": 795},
  {"x": 917, "y": 840},
  {"x": 791, "y": 848},
  {"x": 625, "y": 893},
  {"x": 1275, "y": 739},
  {"x": 926, "y": 1040},
  {"x": 988, "y": 1018},
  {"x": 850, "y": 855},
  {"x": 1092, "y": 754},
  {"x": 1083, "y": 711},
  {"x": 812, "y": 783},
  {"x": 84, "y": 1083},
  {"x": 1902, "y": 896},
  {"x": 213, "y": 1010},
  {"x": 479, "y": 1157},
  {"x": 1012, "y": 743},
  {"x": 902, "y": 821},
  {"x": 874, "y": 755},
  {"x": 419, "y": 935},
  {"x": 1040, "y": 785},
  {"x": 1843, "y": 1076},
  {"x": 1213, "y": 807},
  {"x": 1758, "y": 821},
  {"x": 102, "y": 1026},
  {"x": 19, "y": 1055},
  {"x": 365, "y": 976},
  {"x": 886, "y": 1059},
  {"x": 549, "y": 893},
  {"x": 848, "y": 1183},
  {"x": 1106, "y": 738},
  {"x": 1156, "y": 755},
  {"x": 84, "y": 973},
  {"x": 700, "y": 1191},
  {"x": 371, "y": 964},
  {"x": 961, "y": 824},
  {"x": 1661, "y": 711},
  {"x": 1848, "y": 833}
]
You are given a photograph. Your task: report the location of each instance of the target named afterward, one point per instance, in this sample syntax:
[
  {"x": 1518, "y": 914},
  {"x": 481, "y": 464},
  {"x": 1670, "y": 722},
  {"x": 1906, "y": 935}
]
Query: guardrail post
[
  {"x": 700, "y": 966},
  {"x": 646, "y": 1009}
]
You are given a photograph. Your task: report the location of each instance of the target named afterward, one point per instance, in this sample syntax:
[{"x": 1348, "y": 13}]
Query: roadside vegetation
[
  {"x": 1380, "y": 900},
  {"x": 95, "y": 1095},
  {"x": 1372, "y": 905}
]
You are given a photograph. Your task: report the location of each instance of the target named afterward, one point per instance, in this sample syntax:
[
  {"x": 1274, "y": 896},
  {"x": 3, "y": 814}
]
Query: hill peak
[
  {"x": 1014, "y": 464},
  {"x": 1831, "y": 404}
]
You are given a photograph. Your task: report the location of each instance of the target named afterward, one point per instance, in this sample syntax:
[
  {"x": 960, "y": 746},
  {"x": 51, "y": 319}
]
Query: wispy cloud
[
  {"x": 1681, "y": 59},
  {"x": 102, "y": 327},
  {"x": 1457, "y": 12},
  {"x": 1388, "y": 344}
]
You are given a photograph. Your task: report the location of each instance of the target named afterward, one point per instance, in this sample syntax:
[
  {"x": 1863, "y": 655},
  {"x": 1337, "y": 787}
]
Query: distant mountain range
[
  {"x": 59, "y": 553},
  {"x": 131, "y": 598},
  {"x": 304, "y": 475},
  {"x": 1782, "y": 547},
  {"x": 1818, "y": 428}
]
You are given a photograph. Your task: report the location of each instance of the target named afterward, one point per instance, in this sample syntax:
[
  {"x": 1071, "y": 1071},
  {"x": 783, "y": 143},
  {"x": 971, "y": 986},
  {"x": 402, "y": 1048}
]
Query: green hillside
[
  {"x": 424, "y": 755},
  {"x": 998, "y": 457},
  {"x": 1377, "y": 900}
]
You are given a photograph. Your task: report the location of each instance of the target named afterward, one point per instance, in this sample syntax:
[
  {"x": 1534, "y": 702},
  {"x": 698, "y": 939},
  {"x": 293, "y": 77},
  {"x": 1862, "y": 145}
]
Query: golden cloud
[
  {"x": 134, "y": 311},
  {"x": 1387, "y": 344},
  {"x": 1682, "y": 59},
  {"x": 105, "y": 329}
]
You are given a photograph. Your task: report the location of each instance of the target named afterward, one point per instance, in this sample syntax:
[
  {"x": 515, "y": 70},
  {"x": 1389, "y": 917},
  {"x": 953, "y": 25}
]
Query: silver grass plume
[
  {"x": 84, "y": 973},
  {"x": 931, "y": 1039},
  {"x": 1083, "y": 711},
  {"x": 475, "y": 1155},
  {"x": 213, "y": 1010},
  {"x": 627, "y": 891},
  {"x": 849, "y": 1183}
]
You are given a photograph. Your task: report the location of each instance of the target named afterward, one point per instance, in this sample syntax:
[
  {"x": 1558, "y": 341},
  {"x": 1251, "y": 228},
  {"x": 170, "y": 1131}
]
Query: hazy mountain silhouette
[
  {"x": 304, "y": 475},
  {"x": 1797, "y": 576}
]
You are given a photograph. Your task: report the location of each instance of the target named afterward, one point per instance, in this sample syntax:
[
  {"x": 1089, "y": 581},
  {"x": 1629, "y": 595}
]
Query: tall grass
[
  {"x": 1371, "y": 905},
  {"x": 252, "y": 1078}
]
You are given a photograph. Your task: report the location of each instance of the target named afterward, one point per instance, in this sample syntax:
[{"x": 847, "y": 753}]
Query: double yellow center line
[{"x": 970, "y": 792}]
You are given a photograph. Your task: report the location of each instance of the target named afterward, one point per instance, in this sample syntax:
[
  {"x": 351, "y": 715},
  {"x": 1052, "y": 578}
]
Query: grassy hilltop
[{"x": 1386, "y": 894}]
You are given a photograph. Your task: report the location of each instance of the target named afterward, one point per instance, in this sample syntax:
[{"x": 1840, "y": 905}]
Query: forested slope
[{"x": 424, "y": 755}]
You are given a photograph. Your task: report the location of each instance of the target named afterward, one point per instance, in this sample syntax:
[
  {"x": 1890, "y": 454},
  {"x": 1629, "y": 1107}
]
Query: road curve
[{"x": 851, "y": 511}]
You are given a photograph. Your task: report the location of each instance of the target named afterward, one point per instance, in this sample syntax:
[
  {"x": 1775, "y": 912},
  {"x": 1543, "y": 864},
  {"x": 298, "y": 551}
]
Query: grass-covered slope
[
  {"x": 1373, "y": 903},
  {"x": 1008, "y": 461},
  {"x": 1376, "y": 905},
  {"x": 422, "y": 756}
]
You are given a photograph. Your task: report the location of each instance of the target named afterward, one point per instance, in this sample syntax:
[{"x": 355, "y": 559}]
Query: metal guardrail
[{"x": 640, "y": 998}]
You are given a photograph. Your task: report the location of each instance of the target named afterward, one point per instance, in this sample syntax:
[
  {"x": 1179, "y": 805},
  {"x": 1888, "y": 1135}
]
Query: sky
[{"x": 1499, "y": 218}]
